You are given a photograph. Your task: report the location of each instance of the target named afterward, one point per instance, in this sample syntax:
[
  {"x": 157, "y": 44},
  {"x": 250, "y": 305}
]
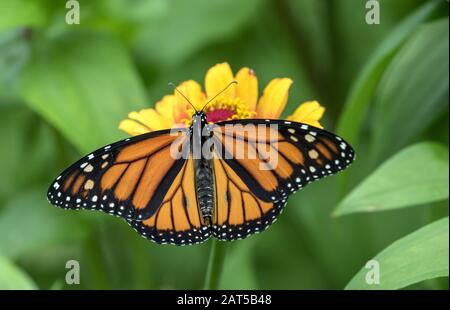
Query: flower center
[
  {"x": 219, "y": 115},
  {"x": 224, "y": 109}
]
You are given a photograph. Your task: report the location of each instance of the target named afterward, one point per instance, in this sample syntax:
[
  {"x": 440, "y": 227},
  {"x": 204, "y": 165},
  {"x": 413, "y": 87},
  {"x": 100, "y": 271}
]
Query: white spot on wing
[
  {"x": 313, "y": 154},
  {"x": 309, "y": 138},
  {"x": 88, "y": 168}
]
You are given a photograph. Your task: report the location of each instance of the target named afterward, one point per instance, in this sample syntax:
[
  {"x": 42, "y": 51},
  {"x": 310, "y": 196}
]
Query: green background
[{"x": 64, "y": 89}]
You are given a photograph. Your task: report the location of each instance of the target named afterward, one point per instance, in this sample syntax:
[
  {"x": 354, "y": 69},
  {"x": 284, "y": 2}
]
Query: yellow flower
[{"x": 237, "y": 102}]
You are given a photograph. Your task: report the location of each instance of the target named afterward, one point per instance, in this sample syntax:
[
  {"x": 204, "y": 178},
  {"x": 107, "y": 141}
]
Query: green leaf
[
  {"x": 184, "y": 27},
  {"x": 238, "y": 272},
  {"x": 413, "y": 91},
  {"x": 21, "y": 13},
  {"x": 29, "y": 157},
  {"x": 13, "y": 278},
  {"x": 361, "y": 94},
  {"x": 414, "y": 176},
  {"x": 419, "y": 256},
  {"x": 30, "y": 225},
  {"x": 313, "y": 24},
  {"x": 15, "y": 50},
  {"x": 84, "y": 85}
]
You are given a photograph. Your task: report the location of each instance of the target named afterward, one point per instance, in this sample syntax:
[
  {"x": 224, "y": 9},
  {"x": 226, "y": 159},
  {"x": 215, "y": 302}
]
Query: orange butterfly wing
[
  {"x": 178, "y": 219},
  {"x": 251, "y": 191},
  {"x": 303, "y": 154},
  {"x": 128, "y": 178},
  {"x": 238, "y": 211}
]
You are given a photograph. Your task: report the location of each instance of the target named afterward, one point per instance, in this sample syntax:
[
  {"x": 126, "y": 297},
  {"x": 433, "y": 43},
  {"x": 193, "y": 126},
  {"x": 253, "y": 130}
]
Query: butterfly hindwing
[
  {"x": 238, "y": 211},
  {"x": 178, "y": 219}
]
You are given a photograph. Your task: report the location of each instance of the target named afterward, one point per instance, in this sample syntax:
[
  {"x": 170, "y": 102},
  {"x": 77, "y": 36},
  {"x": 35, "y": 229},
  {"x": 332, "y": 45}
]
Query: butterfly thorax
[{"x": 204, "y": 183}]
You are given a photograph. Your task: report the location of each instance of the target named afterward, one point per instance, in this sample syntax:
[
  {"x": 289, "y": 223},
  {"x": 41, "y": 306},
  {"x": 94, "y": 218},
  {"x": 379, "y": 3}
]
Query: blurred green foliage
[
  {"x": 64, "y": 89},
  {"x": 427, "y": 252}
]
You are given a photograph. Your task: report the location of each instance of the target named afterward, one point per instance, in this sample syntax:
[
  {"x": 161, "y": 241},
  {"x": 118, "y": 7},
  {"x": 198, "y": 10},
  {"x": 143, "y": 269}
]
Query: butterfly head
[{"x": 199, "y": 117}]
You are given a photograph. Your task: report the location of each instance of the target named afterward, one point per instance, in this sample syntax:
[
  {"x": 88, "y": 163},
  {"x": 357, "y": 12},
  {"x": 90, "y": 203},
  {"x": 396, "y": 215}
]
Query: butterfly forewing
[
  {"x": 128, "y": 178},
  {"x": 303, "y": 154}
]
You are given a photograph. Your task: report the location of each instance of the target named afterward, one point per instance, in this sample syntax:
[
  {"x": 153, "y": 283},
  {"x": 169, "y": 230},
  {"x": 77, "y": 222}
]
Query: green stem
[{"x": 215, "y": 264}]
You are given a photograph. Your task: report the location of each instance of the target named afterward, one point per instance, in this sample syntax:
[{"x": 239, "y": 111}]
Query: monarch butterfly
[{"x": 170, "y": 194}]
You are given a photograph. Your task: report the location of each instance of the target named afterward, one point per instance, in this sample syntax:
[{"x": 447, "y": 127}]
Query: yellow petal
[
  {"x": 193, "y": 91},
  {"x": 166, "y": 106},
  {"x": 274, "y": 98},
  {"x": 132, "y": 128},
  {"x": 217, "y": 78},
  {"x": 309, "y": 112},
  {"x": 151, "y": 119},
  {"x": 247, "y": 87}
]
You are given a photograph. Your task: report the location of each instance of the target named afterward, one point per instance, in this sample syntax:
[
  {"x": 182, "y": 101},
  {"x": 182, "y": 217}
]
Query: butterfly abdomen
[{"x": 204, "y": 185}]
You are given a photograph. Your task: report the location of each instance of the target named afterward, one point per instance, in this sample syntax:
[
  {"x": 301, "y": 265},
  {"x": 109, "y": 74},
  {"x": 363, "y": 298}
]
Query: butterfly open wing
[
  {"x": 128, "y": 178},
  {"x": 251, "y": 190}
]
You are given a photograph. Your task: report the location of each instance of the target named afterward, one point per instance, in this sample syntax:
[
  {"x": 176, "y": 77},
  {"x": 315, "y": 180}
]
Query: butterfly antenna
[
  {"x": 178, "y": 91},
  {"x": 226, "y": 87}
]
